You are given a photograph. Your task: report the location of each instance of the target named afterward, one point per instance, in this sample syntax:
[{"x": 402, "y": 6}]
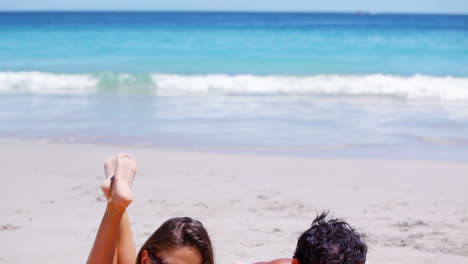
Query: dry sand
[{"x": 253, "y": 206}]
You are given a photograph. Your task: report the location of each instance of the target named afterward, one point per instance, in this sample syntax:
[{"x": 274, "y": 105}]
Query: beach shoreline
[{"x": 254, "y": 206}]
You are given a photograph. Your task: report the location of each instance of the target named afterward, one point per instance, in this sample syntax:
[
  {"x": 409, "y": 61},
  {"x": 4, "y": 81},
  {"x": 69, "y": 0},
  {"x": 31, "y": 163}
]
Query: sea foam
[
  {"x": 412, "y": 87},
  {"x": 46, "y": 83}
]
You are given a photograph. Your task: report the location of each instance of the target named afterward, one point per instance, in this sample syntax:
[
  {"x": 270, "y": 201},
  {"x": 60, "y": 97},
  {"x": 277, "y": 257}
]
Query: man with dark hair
[{"x": 331, "y": 241}]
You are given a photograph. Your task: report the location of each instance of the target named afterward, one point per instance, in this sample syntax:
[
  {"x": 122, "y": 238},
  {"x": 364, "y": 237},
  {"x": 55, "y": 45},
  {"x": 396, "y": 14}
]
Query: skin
[
  {"x": 114, "y": 241},
  {"x": 280, "y": 261},
  {"x": 178, "y": 255},
  {"x": 125, "y": 251},
  {"x": 114, "y": 236}
]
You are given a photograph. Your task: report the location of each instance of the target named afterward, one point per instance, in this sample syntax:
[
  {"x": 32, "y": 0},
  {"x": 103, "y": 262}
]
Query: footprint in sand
[
  {"x": 47, "y": 202},
  {"x": 9, "y": 227},
  {"x": 200, "y": 204},
  {"x": 410, "y": 224},
  {"x": 77, "y": 188}
]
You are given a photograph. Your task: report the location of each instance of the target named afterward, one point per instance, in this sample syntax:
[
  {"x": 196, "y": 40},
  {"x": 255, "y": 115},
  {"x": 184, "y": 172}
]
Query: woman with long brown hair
[{"x": 180, "y": 240}]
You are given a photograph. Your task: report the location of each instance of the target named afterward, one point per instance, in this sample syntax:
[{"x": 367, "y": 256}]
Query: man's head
[{"x": 330, "y": 241}]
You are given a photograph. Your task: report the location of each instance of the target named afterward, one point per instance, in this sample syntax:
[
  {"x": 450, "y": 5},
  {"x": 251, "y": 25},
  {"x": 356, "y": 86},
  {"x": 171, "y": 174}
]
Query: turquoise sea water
[
  {"x": 234, "y": 43},
  {"x": 316, "y": 84}
]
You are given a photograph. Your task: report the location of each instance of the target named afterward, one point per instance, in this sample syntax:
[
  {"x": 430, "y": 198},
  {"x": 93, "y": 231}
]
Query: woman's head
[{"x": 180, "y": 240}]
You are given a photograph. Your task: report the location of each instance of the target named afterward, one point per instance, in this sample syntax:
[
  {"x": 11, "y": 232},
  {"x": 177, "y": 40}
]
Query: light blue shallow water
[{"x": 328, "y": 85}]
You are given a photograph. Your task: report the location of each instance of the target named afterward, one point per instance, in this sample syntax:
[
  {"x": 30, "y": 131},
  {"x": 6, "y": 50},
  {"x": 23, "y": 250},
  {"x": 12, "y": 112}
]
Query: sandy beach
[{"x": 254, "y": 207}]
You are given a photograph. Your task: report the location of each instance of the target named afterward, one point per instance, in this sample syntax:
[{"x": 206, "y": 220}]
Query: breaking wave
[{"x": 412, "y": 87}]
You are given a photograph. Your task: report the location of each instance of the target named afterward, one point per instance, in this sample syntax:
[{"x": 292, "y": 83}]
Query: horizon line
[{"x": 360, "y": 12}]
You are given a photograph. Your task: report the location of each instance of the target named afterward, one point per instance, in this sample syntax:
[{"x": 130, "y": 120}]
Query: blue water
[
  {"x": 234, "y": 43},
  {"x": 315, "y": 84}
]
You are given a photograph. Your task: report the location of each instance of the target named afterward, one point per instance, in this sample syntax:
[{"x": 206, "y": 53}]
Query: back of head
[
  {"x": 330, "y": 241},
  {"x": 180, "y": 232}
]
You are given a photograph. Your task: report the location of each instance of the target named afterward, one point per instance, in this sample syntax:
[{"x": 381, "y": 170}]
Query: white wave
[
  {"x": 46, "y": 83},
  {"x": 413, "y": 87}
]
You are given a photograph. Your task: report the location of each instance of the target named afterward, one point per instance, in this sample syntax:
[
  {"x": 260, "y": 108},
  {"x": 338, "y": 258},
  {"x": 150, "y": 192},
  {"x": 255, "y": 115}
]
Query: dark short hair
[
  {"x": 330, "y": 241},
  {"x": 179, "y": 232}
]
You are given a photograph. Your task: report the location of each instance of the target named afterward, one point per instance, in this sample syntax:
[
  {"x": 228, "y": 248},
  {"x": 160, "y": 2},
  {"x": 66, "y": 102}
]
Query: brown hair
[{"x": 179, "y": 232}]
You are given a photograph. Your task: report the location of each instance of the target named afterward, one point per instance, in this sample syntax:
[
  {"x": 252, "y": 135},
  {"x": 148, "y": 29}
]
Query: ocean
[{"x": 331, "y": 85}]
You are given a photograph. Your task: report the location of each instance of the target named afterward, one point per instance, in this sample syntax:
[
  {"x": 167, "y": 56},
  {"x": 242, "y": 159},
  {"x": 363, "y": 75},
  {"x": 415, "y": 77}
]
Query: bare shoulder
[{"x": 277, "y": 261}]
